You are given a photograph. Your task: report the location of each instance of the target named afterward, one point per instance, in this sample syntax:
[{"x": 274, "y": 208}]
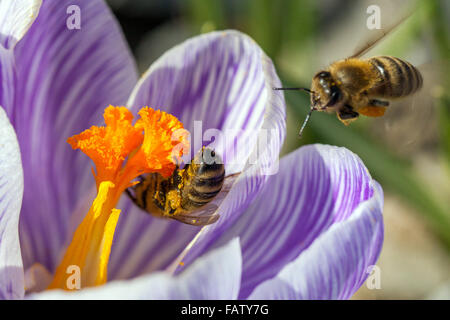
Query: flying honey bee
[
  {"x": 355, "y": 86},
  {"x": 186, "y": 195}
]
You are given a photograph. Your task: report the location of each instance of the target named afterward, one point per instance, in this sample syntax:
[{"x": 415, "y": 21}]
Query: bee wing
[
  {"x": 377, "y": 36},
  {"x": 410, "y": 124},
  {"x": 206, "y": 215},
  {"x": 229, "y": 181},
  {"x": 356, "y": 35}
]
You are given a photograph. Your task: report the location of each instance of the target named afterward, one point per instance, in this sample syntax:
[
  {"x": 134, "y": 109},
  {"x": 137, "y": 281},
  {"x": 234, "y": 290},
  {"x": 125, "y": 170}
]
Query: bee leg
[
  {"x": 378, "y": 103},
  {"x": 374, "y": 110},
  {"x": 346, "y": 115}
]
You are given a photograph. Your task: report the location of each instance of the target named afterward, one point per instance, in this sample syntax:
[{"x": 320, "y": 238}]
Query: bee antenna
[
  {"x": 305, "y": 122},
  {"x": 299, "y": 89}
]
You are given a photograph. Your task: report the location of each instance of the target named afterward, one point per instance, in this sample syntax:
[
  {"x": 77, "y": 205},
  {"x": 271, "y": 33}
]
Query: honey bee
[
  {"x": 355, "y": 86},
  {"x": 187, "y": 194}
]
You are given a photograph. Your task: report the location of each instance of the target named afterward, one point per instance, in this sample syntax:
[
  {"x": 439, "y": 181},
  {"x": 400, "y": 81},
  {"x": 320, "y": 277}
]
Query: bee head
[
  {"x": 326, "y": 93},
  {"x": 207, "y": 159}
]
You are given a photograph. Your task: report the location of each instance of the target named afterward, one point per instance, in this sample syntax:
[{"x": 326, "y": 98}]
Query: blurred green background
[{"x": 407, "y": 150}]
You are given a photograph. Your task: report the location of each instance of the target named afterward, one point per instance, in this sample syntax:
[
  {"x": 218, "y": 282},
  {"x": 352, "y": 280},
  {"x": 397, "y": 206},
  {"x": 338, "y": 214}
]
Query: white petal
[
  {"x": 337, "y": 263},
  {"x": 11, "y": 191},
  {"x": 217, "y": 275},
  {"x": 16, "y": 17}
]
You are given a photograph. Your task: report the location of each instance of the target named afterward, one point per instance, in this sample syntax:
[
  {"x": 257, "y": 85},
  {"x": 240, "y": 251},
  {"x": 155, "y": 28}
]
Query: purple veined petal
[
  {"x": 16, "y": 17},
  {"x": 144, "y": 244},
  {"x": 337, "y": 263},
  {"x": 317, "y": 186},
  {"x": 65, "y": 79},
  {"x": 216, "y": 275},
  {"x": 225, "y": 80},
  {"x": 11, "y": 191}
]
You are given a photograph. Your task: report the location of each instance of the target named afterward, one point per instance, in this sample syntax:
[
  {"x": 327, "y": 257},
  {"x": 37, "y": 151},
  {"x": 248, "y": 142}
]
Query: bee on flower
[{"x": 277, "y": 235}]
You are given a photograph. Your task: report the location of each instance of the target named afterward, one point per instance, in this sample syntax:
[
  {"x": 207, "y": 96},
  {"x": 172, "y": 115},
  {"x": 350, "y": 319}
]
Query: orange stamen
[{"x": 121, "y": 152}]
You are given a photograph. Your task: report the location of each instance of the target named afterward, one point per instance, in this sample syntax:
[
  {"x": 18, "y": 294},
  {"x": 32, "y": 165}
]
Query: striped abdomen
[
  {"x": 202, "y": 182},
  {"x": 398, "y": 78}
]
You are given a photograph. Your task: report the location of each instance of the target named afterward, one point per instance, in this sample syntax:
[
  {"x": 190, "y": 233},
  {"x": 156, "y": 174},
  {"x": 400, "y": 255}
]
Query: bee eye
[
  {"x": 209, "y": 156},
  {"x": 334, "y": 97},
  {"x": 324, "y": 74}
]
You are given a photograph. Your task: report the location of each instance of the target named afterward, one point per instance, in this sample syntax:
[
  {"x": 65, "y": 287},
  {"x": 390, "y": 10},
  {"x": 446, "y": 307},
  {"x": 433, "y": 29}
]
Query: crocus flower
[{"x": 309, "y": 231}]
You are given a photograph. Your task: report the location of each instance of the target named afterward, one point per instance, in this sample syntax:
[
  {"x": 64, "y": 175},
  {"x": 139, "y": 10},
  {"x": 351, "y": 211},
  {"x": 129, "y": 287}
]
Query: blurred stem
[
  {"x": 274, "y": 24},
  {"x": 298, "y": 21},
  {"x": 207, "y": 15},
  {"x": 444, "y": 120},
  {"x": 393, "y": 172},
  {"x": 442, "y": 43},
  {"x": 437, "y": 16},
  {"x": 265, "y": 24}
]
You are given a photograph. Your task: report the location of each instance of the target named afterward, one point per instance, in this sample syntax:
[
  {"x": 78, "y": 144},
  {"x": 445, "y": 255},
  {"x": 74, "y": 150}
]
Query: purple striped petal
[
  {"x": 11, "y": 191},
  {"x": 215, "y": 276},
  {"x": 65, "y": 78},
  {"x": 16, "y": 18},
  {"x": 224, "y": 80},
  {"x": 317, "y": 186},
  {"x": 338, "y": 261},
  {"x": 144, "y": 244},
  {"x": 221, "y": 79}
]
